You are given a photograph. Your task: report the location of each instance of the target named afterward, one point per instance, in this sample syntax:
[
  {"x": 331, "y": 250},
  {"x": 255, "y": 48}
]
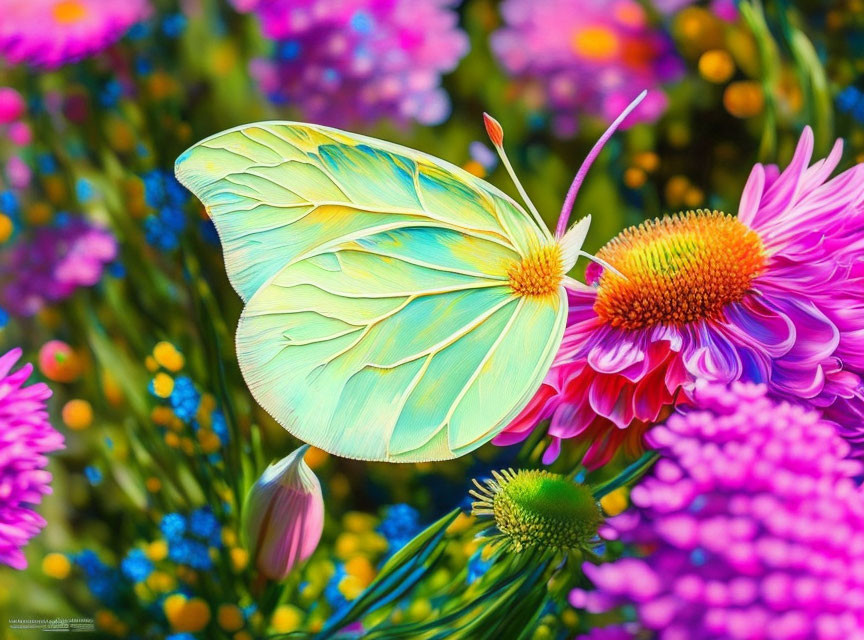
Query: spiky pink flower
[
  {"x": 25, "y": 437},
  {"x": 52, "y": 33},
  {"x": 751, "y": 525},
  {"x": 774, "y": 296}
]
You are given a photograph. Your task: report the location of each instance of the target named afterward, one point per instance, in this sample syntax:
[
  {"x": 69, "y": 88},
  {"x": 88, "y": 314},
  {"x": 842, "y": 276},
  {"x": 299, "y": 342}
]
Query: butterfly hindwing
[{"x": 379, "y": 322}]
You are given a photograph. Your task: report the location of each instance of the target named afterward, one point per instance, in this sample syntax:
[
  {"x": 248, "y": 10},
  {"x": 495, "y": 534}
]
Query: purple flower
[
  {"x": 753, "y": 525},
  {"x": 25, "y": 436},
  {"x": 52, "y": 263},
  {"x": 359, "y": 61},
  {"x": 590, "y": 57}
]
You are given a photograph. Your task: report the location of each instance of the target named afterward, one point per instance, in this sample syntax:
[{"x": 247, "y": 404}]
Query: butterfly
[{"x": 397, "y": 308}]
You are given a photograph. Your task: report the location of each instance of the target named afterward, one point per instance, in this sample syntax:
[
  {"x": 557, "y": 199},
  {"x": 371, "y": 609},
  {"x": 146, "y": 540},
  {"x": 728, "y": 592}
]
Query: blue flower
[
  {"x": 110, "y": 94},
  {"x": 477, "y": 567},
  {"x": 136, "y": 566},
  {"x": 332, "y": 594},
  {"x": 173, "y": 25},
  {"x": 84, "y": 190},
  {"x": 173, "y": 526},
  {"x": 185, "y": 398},
  {"x": 4, "y": 319},
  {"x": 204, "y": 524},
  {"x": 219, "y": 426},
  {"x": 103, "y": 581},
  {"x": 46, "y": 163},
  {"x": 94, "y": 476},
  {"x": 9, "y": 203},
  {"x": 89, "y": 562},
  {"x": 400, "y": 524},
  {"x": 159, "y": 235},
  {"x": 190, "y": 552}
]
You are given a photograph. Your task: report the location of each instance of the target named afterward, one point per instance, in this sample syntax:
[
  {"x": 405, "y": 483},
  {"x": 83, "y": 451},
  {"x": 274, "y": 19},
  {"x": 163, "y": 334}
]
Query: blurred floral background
[{"x": 112, "y": 285}]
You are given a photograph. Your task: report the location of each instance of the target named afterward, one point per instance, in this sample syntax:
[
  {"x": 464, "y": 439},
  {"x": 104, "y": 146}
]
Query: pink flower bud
[{"x": 284, "y": 515}]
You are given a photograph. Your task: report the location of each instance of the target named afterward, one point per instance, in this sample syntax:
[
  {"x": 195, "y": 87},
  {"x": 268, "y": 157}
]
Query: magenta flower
[
  {"x": 359, "y": 61},
  {"x": 774, "y": 296},
  {"x": 752, "y": 523},
  {"x": 52, "y": 263},
  {"x": 25, "y": 438},
  {"x": 575, "y": 57},
  {"x": 283, "y": 517},
  {"x": 52, "y": 33}
]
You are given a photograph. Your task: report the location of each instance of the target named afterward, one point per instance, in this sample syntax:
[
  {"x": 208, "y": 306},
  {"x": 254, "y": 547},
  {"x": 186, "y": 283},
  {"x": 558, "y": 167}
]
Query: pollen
[
  {"x": 539, "y": 274},
  {"x": 678, "y": 269}
]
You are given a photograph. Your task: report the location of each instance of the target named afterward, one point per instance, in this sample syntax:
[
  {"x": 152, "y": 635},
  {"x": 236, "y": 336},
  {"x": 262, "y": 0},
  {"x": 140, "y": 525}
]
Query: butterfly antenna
[
  {"x": 567, "y": 209},
  {"x": 496, "y": 134}
]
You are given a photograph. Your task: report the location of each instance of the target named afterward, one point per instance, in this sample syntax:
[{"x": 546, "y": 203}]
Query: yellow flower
[
  {"x": 358, "y": 522},
  {"x": 744, "y": 99},
  {"x": 350, "y": 587},
  {"x": 716, "y": 66},
  {"x": 56, "y": 565},
  {"x": 163, "y": 384},
  {"x": 347, "y": 544},
  {"x": 172, "y": 439},
  {"x": 186, "y": 615},
  {"x": 161, "y": 582},
  {"x": 77, "y": 414},
  {"x": 230, "y": 617},
  {"x": 153, "y": 484},
  {"x": 210, "y": 442},
  {"x": 6, "y": 228},
  {"x": 614, "y": 502},
  {"x": 239, "y": 558},
  {"x": 229, "y": 537},
  {"x": 286, "y": 618},
  {"x": 360, "y": 568},
  {"x": 167, "y": 356},
  {"x": 157, "y": 550},
  {"x": 188, "y": 445}
]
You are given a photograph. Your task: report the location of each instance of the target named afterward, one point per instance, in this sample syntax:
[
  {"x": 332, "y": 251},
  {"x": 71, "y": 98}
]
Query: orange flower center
[
  {"x": 539, "y": 274},
  {"x": 597, "y": 43},
  {"x": 678, "y": 269},
  {"x": 69, "y": 11}
]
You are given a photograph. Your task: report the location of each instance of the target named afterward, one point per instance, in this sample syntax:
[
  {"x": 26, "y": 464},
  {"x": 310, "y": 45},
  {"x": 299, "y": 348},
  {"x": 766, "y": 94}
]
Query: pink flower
[
  {"x": 574, "y": 57},
  {"x": 751, "y": 523},
  {"x": 284, "y": 516},
  {"x": 25, "y": 438},
  {"x": 52, "y": 33},
  {"x": 12, "y": 105},
  {"x": 774, "y": 296}
]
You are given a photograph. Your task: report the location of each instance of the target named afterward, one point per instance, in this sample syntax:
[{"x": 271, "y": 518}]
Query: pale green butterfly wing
[{"x": 380, "y": 323}]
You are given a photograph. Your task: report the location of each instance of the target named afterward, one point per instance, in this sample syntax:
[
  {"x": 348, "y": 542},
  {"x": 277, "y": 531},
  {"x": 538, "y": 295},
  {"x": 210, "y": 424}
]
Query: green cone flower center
[{"x": 534, "y": 508}]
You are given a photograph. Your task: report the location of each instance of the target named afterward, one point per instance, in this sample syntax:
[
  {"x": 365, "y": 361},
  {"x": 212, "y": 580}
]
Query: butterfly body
[{"x": 397, "y": 307}]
